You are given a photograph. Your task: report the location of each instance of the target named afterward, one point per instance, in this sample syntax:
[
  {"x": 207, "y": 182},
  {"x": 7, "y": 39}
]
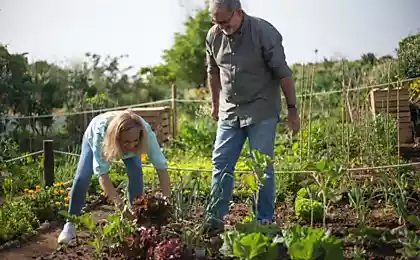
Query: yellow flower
[
  {"x": 66, "y": 198},
  {"x": 38, "y": 186},
  {"x": 31, "y": 191},
  {"x": 144, "y": 157},
  {"x": 66, "y": 205},
  {"x": 57, "y": 203},
  {"x": 58, "y": 184},
  {"x": 26, "y": 190}
]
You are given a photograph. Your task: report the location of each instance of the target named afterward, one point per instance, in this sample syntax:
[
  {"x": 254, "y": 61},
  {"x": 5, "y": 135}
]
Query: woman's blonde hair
[{"x": 122, "y": 121}]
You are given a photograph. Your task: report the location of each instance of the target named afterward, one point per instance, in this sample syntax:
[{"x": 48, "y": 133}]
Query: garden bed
[
  {"x": 341, "y": 220},
  {"x": 33, "y": 212},
  {"x": 331, "y": 215}
]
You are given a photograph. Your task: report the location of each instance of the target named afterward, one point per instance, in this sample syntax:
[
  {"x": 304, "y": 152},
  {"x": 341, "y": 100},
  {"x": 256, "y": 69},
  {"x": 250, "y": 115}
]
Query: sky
[{"x": 63, "y": 30}]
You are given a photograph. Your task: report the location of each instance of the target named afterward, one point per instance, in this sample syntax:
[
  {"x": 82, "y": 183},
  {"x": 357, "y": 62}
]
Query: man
[{"x": 246, "y": 65}]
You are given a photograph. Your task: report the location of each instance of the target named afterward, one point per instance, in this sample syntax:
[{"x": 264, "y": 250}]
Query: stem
[
  {"x": 312, "y": 206},
  {"x": 324, "y": 202},
  {"x": 302, "y": 113},
  {"x": 310, "y": 110}
]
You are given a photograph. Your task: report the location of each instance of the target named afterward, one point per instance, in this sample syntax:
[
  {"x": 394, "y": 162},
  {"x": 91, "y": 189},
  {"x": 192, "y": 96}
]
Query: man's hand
[
  {"x": 293, "y": 120},
  {"x": 215, "y": 112},
  {"x": 215, "y": 87}
]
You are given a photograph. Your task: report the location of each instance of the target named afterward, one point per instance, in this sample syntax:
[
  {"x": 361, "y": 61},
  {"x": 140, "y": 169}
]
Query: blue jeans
[
  {"x": 84, "y": 174},
  {"x": 227, "y": 149}
]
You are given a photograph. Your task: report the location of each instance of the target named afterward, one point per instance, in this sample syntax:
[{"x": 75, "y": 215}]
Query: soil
[
  {"x": 45, "y": 243},
  {"x": 340, "y": 219}
]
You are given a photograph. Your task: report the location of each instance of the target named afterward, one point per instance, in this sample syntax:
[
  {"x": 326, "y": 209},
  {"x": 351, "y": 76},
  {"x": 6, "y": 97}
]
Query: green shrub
[{"x": 16, "y": 218}]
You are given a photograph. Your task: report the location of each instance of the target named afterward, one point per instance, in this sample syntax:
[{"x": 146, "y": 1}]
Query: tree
[
  {"x": 48, "y": 82},
  {"x": 409, "y": 56},
  {"x": 369, "y": 58},
  {"x": 185, "y": 60}
]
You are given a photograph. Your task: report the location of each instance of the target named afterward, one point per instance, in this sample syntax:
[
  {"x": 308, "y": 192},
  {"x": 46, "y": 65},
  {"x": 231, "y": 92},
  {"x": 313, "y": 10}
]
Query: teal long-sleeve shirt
[{"x": 95, "y": 134}]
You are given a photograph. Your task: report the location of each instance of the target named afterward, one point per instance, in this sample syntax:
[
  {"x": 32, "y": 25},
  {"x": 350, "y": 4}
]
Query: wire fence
[
  {"x": 166, "y": 101},
  {"x": 305, "y": 115},
  {"x": 22, "y": 157},
  {"x": 357, "y": 169},
  {"x": 87, "y": 111},
  {"x": 68, "y": 127},
  {"x": 277, "y": 172}
]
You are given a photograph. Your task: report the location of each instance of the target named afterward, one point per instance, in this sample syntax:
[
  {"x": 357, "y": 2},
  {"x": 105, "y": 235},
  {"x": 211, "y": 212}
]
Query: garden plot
[
  {"x": 151, "y": 237},
  {"x": 333, "y": 217},
  {"x": 45, "y": 242}
]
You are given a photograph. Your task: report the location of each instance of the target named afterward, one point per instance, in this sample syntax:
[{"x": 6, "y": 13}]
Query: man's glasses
[{"x": 225, "y": 22}]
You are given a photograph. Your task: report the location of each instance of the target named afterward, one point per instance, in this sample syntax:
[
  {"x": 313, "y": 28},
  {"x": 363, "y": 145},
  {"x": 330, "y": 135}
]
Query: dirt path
[{"x": 46, "y": 242}]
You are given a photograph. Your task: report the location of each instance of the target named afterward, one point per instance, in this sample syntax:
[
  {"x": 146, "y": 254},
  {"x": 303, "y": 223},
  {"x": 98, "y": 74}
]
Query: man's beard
[{"x": 228, "y": 31}]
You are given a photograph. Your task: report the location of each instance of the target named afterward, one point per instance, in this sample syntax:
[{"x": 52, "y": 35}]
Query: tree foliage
[
  {"x": 41, "y": 88},
  {"x": 409, "y": 56},
  {"x": 185, "y": 60}
]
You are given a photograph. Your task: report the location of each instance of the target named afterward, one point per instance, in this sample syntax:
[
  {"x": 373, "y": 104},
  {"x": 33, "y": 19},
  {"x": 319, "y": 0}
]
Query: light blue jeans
[
  {"x": 227, "y": 149},
  {"x": 84, "y": 174}
]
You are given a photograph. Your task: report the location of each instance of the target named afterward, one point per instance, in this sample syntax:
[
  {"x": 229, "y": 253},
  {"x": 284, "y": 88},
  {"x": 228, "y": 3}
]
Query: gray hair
[{"x": 231, "y": 5}]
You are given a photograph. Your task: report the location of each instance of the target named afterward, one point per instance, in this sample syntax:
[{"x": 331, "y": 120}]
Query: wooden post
[
  {"x": 174, "y": 111},
  {"x": 48, "y": 163}
]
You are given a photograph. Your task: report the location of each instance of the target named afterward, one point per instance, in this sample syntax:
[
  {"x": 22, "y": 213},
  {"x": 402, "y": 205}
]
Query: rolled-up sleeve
[
  {"x": 272, "y": 43},
  {"x": 100, "y": 166},
  {"x": 212, "y": 67},
  {"x": 153, "y": 151}
]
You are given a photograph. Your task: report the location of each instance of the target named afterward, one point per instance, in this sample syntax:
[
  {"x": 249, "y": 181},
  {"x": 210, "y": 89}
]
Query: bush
[{"x": 16, "y": 218}]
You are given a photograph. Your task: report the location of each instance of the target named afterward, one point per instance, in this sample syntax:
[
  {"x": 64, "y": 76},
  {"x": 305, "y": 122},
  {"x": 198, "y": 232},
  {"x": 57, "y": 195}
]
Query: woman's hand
[
  {"x": 128, "y": 213},
  {"x": 165, "y": 183},
  {"x": 119, "y": 203},
  {"x": 110, "y": 190}
]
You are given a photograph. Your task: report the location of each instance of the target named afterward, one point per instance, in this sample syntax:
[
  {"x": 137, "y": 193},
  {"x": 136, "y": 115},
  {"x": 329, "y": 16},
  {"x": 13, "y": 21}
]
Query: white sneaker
[{"x": 67, "y": 234}]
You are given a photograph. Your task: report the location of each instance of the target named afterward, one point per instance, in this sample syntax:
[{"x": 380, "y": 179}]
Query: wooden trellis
[{"x": 396, "y": 103}]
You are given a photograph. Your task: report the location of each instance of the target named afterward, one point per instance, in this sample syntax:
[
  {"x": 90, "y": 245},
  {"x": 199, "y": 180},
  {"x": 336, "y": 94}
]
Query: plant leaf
[{"x": 250, "y": 180}]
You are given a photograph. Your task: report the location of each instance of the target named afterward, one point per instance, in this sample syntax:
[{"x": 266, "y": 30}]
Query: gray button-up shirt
[{"x": 250, "y": 64}]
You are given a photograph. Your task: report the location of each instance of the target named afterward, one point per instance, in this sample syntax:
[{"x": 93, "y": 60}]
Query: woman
[{"x": 109, "y": 136}]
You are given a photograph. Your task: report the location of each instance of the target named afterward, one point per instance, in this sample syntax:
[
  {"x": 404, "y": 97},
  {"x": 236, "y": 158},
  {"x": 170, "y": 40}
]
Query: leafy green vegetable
[
  {"x": 304, "y": 207},
  {"x": 252, "y": 246},
  {"x": 306, "y": 243}
]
